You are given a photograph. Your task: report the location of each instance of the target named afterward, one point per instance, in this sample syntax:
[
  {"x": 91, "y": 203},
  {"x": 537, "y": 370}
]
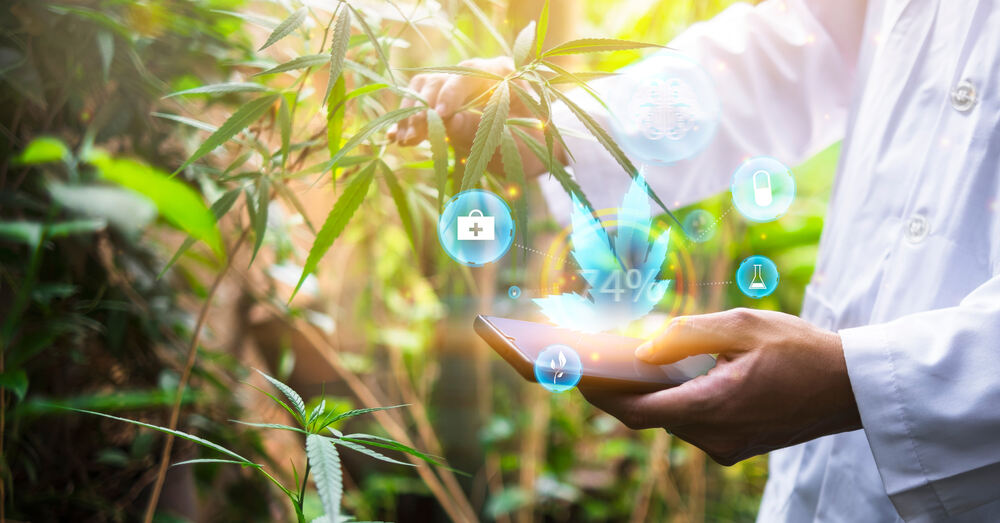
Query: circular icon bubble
[
  {"x": 699, "y": 225},
  {"x": 757, "y": 277},
  {"x": 558, "y": 368},
  {"x": 514, "y": 292},
  {"x": 664, "y": 109},
  {"x": 476, "y": 227},
  {"x": 763, "y": 189}
]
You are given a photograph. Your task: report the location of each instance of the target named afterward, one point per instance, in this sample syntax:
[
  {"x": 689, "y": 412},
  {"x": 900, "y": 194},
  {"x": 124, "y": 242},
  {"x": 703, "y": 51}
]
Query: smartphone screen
[{"x": 607, "y": 360}]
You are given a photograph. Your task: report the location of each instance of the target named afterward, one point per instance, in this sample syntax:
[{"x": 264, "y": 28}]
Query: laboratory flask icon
[
  {"x": 757, "y": 277},
  {"x": 757, "y": 283},
  {"x": 762, "y": 194}
]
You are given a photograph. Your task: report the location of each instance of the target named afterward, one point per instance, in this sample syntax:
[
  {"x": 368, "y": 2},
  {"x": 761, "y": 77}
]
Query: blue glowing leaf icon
[{"x": 622, "y": 277}]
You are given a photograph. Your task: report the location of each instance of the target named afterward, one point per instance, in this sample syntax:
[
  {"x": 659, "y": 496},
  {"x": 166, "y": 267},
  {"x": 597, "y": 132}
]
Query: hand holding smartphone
[{"x": 607, "y": 360}]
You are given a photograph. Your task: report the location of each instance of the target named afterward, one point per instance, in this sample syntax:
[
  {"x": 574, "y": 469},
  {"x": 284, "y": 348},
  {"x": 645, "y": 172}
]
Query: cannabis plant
[{"x": 321, "y": 442}]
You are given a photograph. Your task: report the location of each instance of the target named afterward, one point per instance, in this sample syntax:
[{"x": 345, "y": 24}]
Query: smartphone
[{"x": 608, "y": 360}]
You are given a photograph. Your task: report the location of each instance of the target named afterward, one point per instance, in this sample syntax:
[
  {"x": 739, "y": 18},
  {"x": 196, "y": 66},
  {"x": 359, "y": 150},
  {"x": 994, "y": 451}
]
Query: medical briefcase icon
[{"x": 476, "y": 227}]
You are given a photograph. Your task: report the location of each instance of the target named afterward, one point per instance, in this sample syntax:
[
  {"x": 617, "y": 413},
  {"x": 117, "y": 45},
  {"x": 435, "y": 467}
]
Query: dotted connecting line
[
  {"x": 547, "y": 255},
  {"x": 704, "y": 234},
  {"x": 702, "y": 284}
]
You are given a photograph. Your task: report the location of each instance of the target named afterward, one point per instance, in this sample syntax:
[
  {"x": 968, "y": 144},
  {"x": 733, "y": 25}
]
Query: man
[{"x": 901, "y": 329}]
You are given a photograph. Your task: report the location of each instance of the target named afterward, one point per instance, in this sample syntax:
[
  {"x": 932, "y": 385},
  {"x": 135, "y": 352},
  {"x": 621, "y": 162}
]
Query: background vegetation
[{"x": 129, "y": 290}]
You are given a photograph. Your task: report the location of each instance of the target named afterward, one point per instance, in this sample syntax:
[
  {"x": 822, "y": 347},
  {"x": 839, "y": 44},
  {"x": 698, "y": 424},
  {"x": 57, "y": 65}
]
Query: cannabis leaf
[{"x": 623, "y": 279}]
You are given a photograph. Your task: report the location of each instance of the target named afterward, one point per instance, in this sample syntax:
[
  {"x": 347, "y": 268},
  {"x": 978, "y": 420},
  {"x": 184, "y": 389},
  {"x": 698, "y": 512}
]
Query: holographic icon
[
  {"x": 663, "y": 110},
  {"x": 623, "y": 277},
  {"x": 757, "y": 283},
  {"x": 476, "y": 227},
  {"x": 762, "y": 194},
  {"x": 558, "y": 368},
  {"x": 763, "y": 189},
  {"x": 699, "y": 225},
  {"x": 514, "y": 292},
  {"x": 757, "y": 276}
]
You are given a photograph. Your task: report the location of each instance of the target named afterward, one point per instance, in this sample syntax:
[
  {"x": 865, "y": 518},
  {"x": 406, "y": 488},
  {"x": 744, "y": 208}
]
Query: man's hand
[
  {"x": 778, "y": 381},
  {"x": 447, "y": 93}
]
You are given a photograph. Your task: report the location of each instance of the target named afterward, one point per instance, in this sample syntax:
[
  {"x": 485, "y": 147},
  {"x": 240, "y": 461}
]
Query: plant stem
[
  {"x": 161, "y": 474},
  {"x": 305, "y": 481}
]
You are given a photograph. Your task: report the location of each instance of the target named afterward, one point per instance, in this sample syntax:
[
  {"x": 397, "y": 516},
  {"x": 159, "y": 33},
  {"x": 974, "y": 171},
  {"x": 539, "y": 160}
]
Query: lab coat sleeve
[
  {"x": 928, "y": 389},
  {"x": 783, "y": 71}
]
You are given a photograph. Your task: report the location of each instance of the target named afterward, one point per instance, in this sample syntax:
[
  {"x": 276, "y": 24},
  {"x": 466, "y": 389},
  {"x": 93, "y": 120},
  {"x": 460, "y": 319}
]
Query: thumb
[{"x": 690, "y": 335}]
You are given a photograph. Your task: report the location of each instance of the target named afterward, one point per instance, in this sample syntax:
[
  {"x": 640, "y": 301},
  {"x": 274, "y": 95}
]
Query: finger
[
  {"x": 461, "y": 129},
  {"x": 455, "y": 92},
  {"x": 672, "y": 407},
  {"x": 398, "y": 131},
  {"x": 702, "y": 334},
  {"x": 417, "y": 131}
]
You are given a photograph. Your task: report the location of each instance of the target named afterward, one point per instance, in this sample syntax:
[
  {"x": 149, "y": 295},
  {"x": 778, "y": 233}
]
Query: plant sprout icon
[{"x": 558, "y": 370}]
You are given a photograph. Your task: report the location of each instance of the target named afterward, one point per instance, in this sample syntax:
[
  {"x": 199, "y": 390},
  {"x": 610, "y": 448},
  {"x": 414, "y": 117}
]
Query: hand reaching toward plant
[
  {"x": 779, "y": 381},
  {"x": 448, "y": 94}
]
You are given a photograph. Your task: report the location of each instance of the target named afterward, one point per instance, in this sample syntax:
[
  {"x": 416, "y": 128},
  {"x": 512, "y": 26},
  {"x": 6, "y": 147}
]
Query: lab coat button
[
  {"x": 917, "y": 229},
  {"x": 963, "y": 97}
]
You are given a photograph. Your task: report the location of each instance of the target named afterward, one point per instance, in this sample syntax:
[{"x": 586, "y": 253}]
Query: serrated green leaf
[
  {"x": 285, "y": 125},
  {"x": 335, "y": 117},
  {"x": 178, "y": 203},
  {"x": 338, "y": 218},
  {"x": 277, "y": 426},
  {"x": 309, "y": 60},
  {"x": 259, "y": 217},
  {"x": 437, "y": 136},
  {"x": 375, "y": 43},
  {"x": 219, "y": 208},
  {"x": 460, "y": 70},
  {"x": 338, "y": 47},
  {"x": 290, "y": 196},
  {"x": 609, "y": 144},
  {"x": 522, "y": 44},
  {"x": 177, "y": 433},
  {"x": 369, "y": 452},
  {"x": 402, "y": 204},
  {"x": 577, "y": 80},
  {"x": 579, "y": 76},
  {"x": 533, "y": 105},
  {"x": 324, "y": 462},
  {"x": 514, "y": 170},
  {"x": 231, "y": 87},
  {"x": 293, "y": 397},
  {"x": 554, "y": 168},
  {"x": 285, "y": 27},
  {"x": 488, "y": 135},
  {"x": 242, "y": 118},
  {"x": 373, "y": 126},
  {"x": 542, "y": 28},
  {"x": 198, "y": 461},
  {"x": 386, "y": 443},
  {"x": 275, "y": 399},
  {"x": 358, "y": 412},
  {"x": 266, "y": 22},
  {"x": 190, "y": 122},
  {"x": 595, "y": 45},
  {"x": 44, "y": 149},
  {"x": 319, "y": 409}
]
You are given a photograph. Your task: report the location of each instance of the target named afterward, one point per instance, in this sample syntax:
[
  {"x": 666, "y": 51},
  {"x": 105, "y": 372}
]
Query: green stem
[{"x": 305, "y": 481}]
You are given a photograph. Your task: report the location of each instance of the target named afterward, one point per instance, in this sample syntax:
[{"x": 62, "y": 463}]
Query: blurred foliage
[
  {"x": 275, "y": 112},
  {"x": 85, "y": 321}
]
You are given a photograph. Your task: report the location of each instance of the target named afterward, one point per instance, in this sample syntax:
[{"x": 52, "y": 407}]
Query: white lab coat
[{"x": 910, "y": 253}]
